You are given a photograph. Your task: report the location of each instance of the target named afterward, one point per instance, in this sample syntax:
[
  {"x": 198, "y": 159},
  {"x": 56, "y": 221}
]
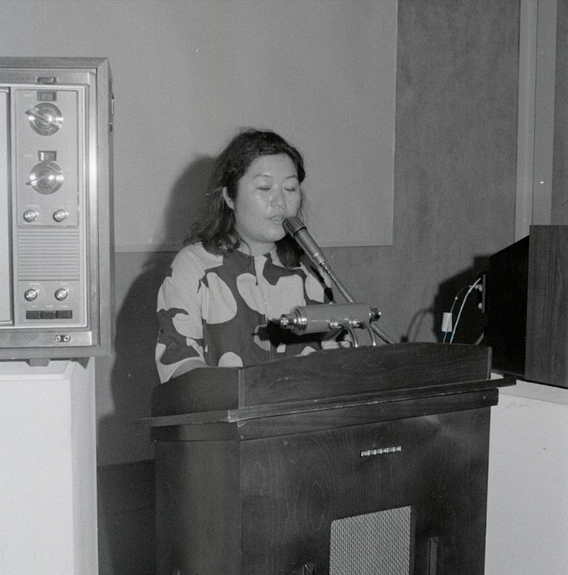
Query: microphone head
[{"x": 293, "y": 225}]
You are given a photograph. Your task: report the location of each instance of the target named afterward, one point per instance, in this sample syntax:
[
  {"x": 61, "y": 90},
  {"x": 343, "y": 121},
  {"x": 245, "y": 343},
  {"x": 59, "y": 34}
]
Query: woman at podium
[{"x": 238, "y": 269}]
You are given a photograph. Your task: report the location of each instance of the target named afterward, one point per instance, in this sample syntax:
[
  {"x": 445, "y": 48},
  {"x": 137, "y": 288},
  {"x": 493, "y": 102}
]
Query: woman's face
[{"x": 267, "y": 194}]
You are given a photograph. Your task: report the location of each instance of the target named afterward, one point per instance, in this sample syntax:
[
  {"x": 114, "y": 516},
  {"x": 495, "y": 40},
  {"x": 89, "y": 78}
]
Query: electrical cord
[
  {"x": 470, "y": 289},
  {"x": 447, "y": 321}
]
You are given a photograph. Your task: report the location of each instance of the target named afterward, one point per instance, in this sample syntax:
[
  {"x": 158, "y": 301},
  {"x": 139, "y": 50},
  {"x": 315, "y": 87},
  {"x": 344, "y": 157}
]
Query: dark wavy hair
[{"x": 215, "y": 229}]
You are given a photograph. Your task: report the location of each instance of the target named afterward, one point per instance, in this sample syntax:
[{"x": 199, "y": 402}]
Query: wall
[
  {"x": 454, "y": 163},
  {"x": 527, "y": 522},
  {"x": 189, "y": 73}
]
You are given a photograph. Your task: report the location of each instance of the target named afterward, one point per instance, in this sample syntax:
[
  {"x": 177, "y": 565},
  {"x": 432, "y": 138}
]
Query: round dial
[
  {"x": 30, "y": 215},
  {"x": 61, "y": 294},
  {"x": 31, "y": 294},
  {"x": 60, "y": 215},
  {"x": 46, "y": 177},
  {"x": 45, "y": 118}
]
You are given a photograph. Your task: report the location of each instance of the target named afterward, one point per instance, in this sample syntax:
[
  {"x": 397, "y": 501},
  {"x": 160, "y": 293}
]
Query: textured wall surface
[
  {"x": 527, "y": 516},
  {"x": 455, "y": 163}
]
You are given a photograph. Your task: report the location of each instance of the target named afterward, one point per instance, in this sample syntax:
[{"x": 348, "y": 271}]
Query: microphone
[
  {"x": 296, "y": 228},
  {"x": 298, "y": 231}
]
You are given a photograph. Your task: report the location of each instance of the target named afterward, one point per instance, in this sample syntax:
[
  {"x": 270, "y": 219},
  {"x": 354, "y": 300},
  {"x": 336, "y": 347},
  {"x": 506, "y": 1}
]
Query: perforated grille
[
  {"x": 48, "y": 254},
  {"x": 372, "y": 544}
]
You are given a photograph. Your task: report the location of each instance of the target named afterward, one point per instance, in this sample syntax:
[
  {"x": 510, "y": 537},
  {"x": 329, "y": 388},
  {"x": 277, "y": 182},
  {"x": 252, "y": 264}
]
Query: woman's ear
[{"x": 227, "y": 199}]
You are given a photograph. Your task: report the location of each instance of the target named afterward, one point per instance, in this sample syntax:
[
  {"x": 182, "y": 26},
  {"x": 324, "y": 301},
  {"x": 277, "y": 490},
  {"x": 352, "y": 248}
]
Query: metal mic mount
[
  {"x": 297, "y": 230},
  {"x": 319, "y": 318}
]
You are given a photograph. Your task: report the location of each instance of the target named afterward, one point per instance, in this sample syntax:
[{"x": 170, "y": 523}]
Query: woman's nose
[{"x": 278, "y": 198}]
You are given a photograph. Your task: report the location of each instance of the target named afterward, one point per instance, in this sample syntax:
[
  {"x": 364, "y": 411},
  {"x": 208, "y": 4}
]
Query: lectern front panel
[{"x": 293, "y": 489}]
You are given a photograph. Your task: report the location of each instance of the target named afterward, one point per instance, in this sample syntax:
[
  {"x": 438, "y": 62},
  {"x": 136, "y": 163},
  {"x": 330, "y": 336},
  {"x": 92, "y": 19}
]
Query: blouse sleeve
[{"x": 180, "y": 337}]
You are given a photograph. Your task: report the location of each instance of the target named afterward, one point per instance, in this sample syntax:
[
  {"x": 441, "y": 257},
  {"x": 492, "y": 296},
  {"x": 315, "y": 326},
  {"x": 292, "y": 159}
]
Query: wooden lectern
[{"x": 351, "y": 461}]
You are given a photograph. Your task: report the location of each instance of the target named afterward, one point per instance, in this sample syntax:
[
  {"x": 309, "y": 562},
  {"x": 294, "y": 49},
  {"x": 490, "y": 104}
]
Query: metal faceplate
[
  {"x": 50, "y": 254},
  {"x": 55, "y": 205}
]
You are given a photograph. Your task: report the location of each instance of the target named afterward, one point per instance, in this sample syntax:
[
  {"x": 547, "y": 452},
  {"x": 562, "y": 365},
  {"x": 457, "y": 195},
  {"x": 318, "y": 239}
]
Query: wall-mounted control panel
[{"x": 55, "y": 207}]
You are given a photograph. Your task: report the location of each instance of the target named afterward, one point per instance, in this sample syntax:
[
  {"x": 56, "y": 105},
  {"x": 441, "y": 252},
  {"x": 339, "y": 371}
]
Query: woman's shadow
[{"x": 132, "y": 375}]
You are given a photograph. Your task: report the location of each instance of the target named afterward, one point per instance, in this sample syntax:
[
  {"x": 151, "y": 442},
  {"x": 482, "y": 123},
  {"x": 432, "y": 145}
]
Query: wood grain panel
[
  {"x": 547, "y": 307},
  {"x": 294, "y": 487}
]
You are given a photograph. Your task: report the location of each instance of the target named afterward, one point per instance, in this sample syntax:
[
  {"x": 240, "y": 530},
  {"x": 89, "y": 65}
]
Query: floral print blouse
[{"x": 224, "y": 310}]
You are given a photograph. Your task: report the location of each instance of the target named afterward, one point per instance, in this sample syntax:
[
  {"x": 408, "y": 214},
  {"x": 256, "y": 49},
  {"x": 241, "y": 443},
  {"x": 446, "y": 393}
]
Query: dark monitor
[{"x": 506, "y": 307}]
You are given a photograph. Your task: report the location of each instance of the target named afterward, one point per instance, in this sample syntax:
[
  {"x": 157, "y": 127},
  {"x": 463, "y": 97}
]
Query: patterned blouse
[{"x": 218, "y": 309}]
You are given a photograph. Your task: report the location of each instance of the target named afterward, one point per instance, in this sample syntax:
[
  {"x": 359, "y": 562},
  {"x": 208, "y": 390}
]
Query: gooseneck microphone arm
[{"x": 297, "y": 230}]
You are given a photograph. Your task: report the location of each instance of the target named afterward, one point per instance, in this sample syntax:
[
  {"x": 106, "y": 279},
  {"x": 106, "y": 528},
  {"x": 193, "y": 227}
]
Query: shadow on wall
[
  {"x": 138, "y": 276},
  {"x": 416, "y": 325},
  {"x": 186, "y": 200},
  {"x": 450, "y": 297},
  {"x": 126, "y": 505}
]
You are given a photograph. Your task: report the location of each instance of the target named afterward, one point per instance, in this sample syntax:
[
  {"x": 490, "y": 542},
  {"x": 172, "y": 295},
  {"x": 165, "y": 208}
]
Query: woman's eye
[
  {"x": 294, "y": 189},
  {"x": 263, "y": 188}
]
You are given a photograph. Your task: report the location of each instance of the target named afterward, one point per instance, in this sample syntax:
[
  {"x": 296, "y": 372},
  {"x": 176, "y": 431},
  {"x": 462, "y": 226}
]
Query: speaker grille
[
  {"x": 45, "y": 254},
  {"x": 372, "y": 544}
]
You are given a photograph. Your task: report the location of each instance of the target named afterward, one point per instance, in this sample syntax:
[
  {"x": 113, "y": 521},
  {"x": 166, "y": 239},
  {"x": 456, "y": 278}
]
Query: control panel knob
[
  {"x": 30, "y": 215},
  {"x": 46, "y": 177},
  {"x": 60, "y": 215},
  {"x": 31, "y": 294},
  {"x": 61, "y": 294},
  {"x": 45, "y": 118}
]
